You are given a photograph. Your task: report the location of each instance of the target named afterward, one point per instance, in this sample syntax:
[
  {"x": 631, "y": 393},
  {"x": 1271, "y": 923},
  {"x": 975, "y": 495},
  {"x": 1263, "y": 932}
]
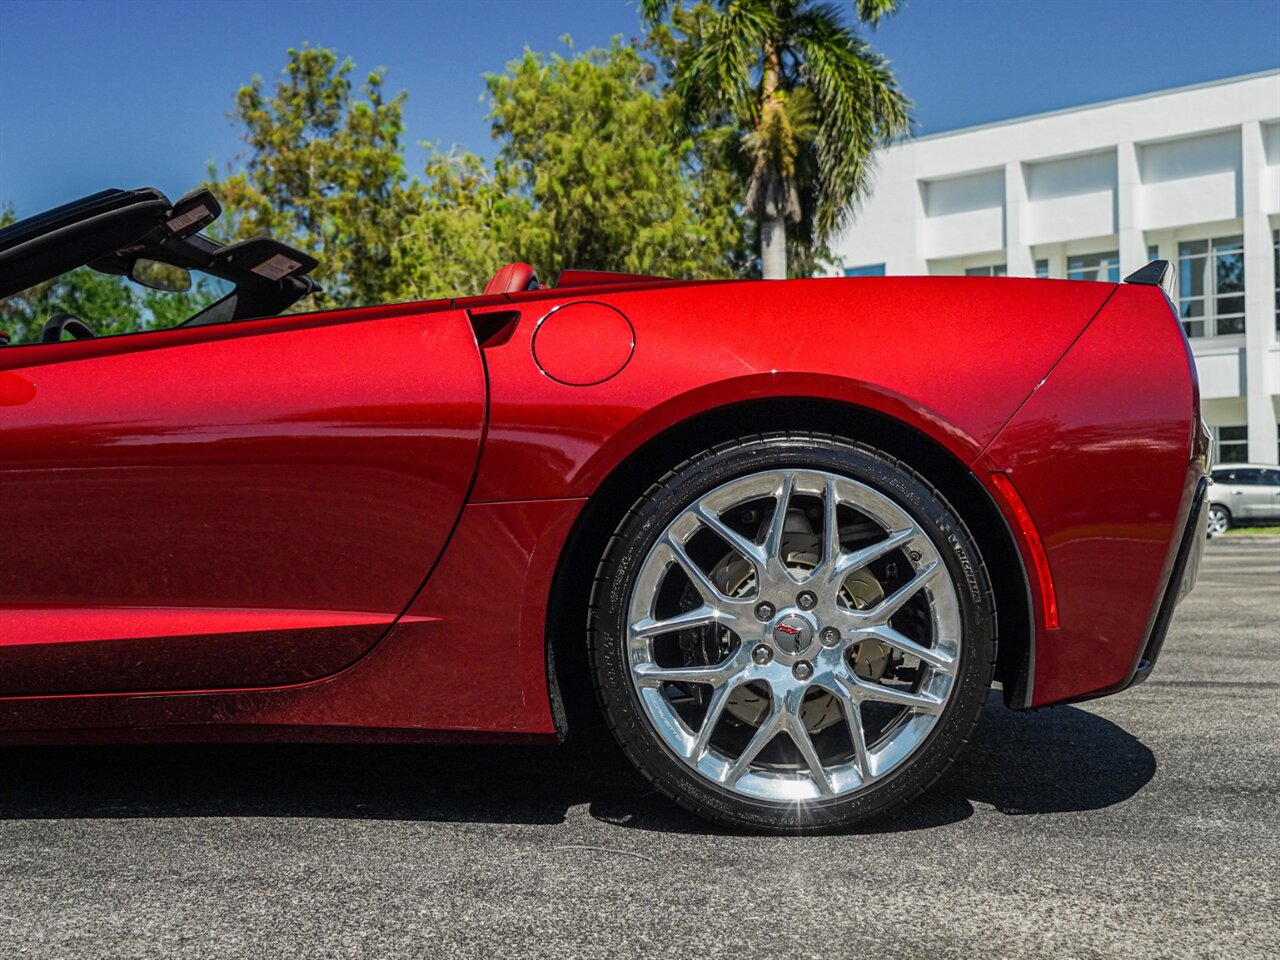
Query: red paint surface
[
  {"x": 307, "y": 478},
  {"x": 1101, "y": 455},
  {"x": 298, "y": 477},
  {"x": 581, "y": 344},
  {"x": 15, "y": 390},
  {"x": 951, "y": 357},
  {"x": 469, "y": 657}
]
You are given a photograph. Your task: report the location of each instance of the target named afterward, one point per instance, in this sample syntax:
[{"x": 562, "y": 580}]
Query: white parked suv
[{"x": 1242, "y": 495}]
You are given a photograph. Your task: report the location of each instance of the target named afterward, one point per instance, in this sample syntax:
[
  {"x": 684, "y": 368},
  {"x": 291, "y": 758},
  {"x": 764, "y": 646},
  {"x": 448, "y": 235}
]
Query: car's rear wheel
[
  {"x": 1219, "y": 520},
  {"x": 792, "y": 632}
]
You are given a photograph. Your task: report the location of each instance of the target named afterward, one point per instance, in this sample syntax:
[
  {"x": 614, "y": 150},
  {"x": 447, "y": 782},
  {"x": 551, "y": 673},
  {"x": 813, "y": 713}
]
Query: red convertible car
[{"x": 791, "y": 532}]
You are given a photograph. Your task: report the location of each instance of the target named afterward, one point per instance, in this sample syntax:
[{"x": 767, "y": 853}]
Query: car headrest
[{"x": 512, "y": 278}]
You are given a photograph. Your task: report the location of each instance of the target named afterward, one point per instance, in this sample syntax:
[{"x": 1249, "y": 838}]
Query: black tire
[{"x": 645, "y": 522}]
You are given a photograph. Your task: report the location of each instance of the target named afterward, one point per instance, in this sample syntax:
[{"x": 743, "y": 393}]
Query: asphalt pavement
[{"x": 1143, "y": 825}]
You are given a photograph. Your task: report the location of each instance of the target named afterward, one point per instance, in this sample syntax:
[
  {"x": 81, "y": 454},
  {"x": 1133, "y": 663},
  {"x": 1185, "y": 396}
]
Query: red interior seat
[{"x": 512, "y": 278}]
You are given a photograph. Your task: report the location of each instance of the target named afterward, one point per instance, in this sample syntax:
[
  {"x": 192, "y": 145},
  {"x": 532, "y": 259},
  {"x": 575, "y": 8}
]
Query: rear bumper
[{"x": 1182, "y": 578}]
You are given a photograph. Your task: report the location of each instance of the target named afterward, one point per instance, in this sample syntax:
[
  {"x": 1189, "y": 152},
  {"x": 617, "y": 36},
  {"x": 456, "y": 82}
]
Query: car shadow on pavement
[{"x": 1051, "y": 761}]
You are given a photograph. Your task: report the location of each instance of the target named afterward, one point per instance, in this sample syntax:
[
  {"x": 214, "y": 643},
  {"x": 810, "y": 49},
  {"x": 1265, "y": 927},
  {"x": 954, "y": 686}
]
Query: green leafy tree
[
  {"x": 466, "y": 228},
  {"x": 106, "y": 302},
  {"x": 586, "y": 142},
  {"x": 325, "y": 171},
  {"x": 810, "y": 99},
  {"x": 110, "y": 304}
]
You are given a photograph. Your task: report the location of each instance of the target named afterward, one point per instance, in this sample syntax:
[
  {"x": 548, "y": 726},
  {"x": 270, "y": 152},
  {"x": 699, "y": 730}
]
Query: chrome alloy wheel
[
  {"x": 800, "y": 603},
  {"x": 1219, "y": 521}
]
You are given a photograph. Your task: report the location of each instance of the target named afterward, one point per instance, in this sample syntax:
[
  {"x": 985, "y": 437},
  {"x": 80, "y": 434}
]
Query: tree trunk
[
  {"x": 773, "y": 227},
  {"x": 773, "y": 248}
]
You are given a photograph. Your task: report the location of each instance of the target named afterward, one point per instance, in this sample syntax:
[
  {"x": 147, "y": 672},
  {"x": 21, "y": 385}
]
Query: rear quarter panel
[
  {"x": 953, "y": 357},
  {"x": 1101, "y": 454}
]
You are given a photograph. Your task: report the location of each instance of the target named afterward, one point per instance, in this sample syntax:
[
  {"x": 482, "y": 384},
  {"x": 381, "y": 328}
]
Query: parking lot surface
[{"x": 1143, "y": 825}]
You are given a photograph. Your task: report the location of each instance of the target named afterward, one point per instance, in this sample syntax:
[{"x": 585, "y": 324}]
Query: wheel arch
[{"x": 568, "y": 677}]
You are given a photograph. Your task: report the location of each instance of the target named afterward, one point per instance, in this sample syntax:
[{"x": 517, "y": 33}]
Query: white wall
[
  {"x": 1190, "y": 180},
  {"x": 1072, "y": 197},
  {"x": 1271, "y": 179},
  {"x": 964, "y": 214}
]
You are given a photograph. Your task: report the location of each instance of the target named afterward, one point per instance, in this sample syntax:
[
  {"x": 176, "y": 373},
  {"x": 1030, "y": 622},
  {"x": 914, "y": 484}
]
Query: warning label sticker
[
  {"x": 277, "y": 267},
  {"x": 179, "y": 223}
]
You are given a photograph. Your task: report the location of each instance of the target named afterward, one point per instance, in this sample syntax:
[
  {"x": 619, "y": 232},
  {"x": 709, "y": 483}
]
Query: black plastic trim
[
  {"x": 1186, "y": 567},
  {"x": 1152, "y": 275}
]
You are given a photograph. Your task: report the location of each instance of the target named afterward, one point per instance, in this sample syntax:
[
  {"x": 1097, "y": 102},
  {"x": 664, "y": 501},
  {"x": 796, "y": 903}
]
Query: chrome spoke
[
  {"x": 715, "y": 710},
  {"x": 891, "y": 604},
  {"x": 764, "y": 734},
  {"x": 750, "y": 550},
  {"x": 935, "y": 658},
  {"x": 777, "y": 525},
  {"x": 830, "y": 559},
  {"x": 852, "y": 562},
  {"x": 651, "y": 675},
  {"x": 862, "y": 690},
  {"x": 853, "y": 719},
  {"x": 701, "y": 582},
  {"x": 804, "y": 743},
  {"x": 703, "y": 616}
]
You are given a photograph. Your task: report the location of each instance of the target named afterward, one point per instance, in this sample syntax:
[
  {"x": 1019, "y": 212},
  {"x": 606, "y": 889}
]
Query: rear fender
[{"x": 1101, "y": 454}]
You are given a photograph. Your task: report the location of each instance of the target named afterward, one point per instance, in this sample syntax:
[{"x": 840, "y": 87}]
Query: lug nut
[
  {"x": 830, "y": 636},
  {"x": 764, "y": 611},
  {"x": 803, "y": 670},
  {"x": 761, "y": 654},
  {"x": 806, "y": 601}
]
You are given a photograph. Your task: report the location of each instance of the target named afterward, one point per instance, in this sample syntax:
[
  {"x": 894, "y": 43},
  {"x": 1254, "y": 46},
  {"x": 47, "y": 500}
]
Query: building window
[
  {"x": 870, "y": 270},
  {"x": 1211, "y": 286},
  {"x": 1042, "y": 269},
  {"x": 1276, "y": 249},
  {"x": 1095, "y": 266},
  {"x": 1232, "y": 444},
  {"x": 992, "y": 270},
  {"x": 1153, "y": 252}
]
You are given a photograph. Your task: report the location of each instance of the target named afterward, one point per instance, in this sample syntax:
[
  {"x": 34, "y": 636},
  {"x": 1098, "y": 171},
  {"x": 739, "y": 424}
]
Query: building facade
[{"x": 1190, "y": 175}]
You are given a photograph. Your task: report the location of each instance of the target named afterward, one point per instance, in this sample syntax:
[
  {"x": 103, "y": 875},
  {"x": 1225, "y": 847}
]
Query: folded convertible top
[{"x": 110, "y": 230}]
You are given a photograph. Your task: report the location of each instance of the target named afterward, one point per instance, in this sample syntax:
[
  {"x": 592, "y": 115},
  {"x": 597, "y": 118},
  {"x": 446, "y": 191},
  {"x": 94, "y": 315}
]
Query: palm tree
[{"x": 809, "y": 97}]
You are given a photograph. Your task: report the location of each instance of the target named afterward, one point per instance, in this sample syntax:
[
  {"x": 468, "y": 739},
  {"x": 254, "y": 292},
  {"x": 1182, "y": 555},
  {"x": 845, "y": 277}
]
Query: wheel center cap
[{"x": 792, "y": 633}]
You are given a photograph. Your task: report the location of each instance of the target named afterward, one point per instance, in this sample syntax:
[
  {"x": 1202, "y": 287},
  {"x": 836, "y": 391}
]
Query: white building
[{"x": 1190, "y": 175}]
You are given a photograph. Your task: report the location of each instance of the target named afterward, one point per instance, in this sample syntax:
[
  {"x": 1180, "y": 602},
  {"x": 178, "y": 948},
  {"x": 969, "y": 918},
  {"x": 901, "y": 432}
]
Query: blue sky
[{"x": 128, "y": 93}]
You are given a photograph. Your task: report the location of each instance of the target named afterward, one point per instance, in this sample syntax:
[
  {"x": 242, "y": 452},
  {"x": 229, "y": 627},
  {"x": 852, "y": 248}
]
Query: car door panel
[
  {"x": 1249, "y": 493},
  {"x": 234, "y": 509},
  {"x": 1270, "y": 501}
]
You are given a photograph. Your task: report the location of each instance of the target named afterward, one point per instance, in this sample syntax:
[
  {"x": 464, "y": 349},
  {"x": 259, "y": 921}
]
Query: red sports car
[{"x": 791, "y": 532}]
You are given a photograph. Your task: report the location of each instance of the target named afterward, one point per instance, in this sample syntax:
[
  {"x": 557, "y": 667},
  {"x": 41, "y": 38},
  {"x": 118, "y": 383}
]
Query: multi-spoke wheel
[
  {"x": 1219, "y": 520},
  {"x": 792, "y": 632}
]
